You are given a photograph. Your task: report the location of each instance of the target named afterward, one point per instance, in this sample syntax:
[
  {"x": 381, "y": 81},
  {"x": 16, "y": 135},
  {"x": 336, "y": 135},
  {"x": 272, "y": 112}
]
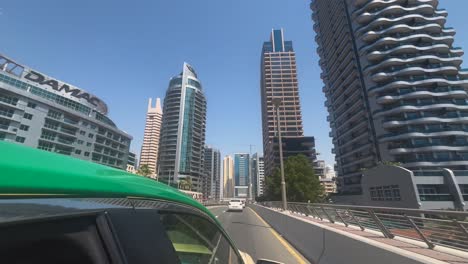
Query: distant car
[
  {"x": 64, "y": 210},
  {"x": 235, "y": 205}
]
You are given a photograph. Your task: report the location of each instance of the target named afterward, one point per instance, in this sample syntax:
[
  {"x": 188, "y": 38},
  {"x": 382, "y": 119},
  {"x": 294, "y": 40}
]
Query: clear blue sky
[{"x": 126, "y": 51}]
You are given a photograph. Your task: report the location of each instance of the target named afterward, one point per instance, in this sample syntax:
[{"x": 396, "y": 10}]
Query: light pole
[{"x": 276, "y": 103}]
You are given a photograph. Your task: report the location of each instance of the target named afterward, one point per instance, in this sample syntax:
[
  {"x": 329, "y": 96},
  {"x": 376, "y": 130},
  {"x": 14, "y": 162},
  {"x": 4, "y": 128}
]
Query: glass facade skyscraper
[
  {"x": 241, "y": 175},
  {"x": 394, "y": 85},
  {"x": 211, "y": 178},
  {"x": 183, "y": 129}
]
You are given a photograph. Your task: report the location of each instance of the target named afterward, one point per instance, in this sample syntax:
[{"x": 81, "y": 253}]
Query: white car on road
[{"x": 235, "y": 205}]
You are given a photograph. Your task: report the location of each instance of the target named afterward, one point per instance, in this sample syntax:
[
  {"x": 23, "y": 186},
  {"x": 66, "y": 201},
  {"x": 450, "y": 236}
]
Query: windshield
[{"x": 297, "y": 127}]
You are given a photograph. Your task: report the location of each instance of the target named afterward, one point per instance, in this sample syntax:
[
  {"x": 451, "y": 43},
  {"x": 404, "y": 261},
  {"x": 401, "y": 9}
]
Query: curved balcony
[
  {"x": 391, "y": 62},
  {"x": 412, "y": 108},
  {"x": 428, "y": 80},
  {"x": 421, "y": 94},
  {"x": 450, "y": 31},
  {"x": 385, "y": 76},
  {"x": 440, "y": 20},
  {"x": 407, "y": 49},
  {"x": 442, "y": 164},
  {"x": 423, "y": 120},
  {"x": 366, "y": 17},
  {"x": 428, "y": 149},
  {"x": 457, "y": 52},
  {"x": 371, "y": 36},
  {"x": 409, "y": 135},
  {"x": 382, "y": 3},
  {"x": 420, "y": 38}
]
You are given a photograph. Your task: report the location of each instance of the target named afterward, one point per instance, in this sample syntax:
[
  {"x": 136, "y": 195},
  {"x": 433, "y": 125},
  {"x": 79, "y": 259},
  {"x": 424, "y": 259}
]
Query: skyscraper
[
  {"x": 258, "y": 175},
  {"x": 183, "y": 129},
  {"x": 241, "y": 175},
  {"x": 212, "y": 175},
  {"x": 228, "y": 177},
  {"x": 150, "y": 146},
  {"x": 394, "y": 87},
  {"x": 279, "y": 80}
]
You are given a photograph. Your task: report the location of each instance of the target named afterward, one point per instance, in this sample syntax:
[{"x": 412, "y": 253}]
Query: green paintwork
[{"x": 26, "y": 171}]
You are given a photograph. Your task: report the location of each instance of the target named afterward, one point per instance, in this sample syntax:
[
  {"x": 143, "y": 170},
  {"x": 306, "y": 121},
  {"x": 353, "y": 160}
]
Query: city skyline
[{"x": 151, "y": 80}]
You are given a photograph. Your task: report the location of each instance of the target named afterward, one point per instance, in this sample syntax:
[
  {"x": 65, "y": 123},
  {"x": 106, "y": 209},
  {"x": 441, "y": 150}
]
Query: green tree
[
  {"x": 144, "y": 170},
  {"x": 301, "y": 183},
  {"x": 186, "y": 184}
]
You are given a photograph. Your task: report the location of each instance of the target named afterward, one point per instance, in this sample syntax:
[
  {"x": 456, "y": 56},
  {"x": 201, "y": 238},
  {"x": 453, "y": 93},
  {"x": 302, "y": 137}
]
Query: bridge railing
[{"x": 434, "y": 227}]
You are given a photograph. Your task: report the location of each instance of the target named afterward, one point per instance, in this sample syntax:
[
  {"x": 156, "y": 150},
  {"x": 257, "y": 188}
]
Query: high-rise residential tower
[
  {"x": 279, "y": 80},
  {"x": 258, "y": 175},
  {"x": 150, "y": 146},
  {"x": 228, "y": 177},
  {"x": 394, "y": 86},
  {"x": 43, "y": 112},
  {"x": 241, "y": 175},
  {"x": 183, "y": 130},
  {"x": 212, "y": 176}
]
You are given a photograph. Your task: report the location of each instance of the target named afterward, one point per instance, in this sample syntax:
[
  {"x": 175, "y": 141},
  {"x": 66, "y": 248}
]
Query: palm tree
[{"x": 144, "y": 170}]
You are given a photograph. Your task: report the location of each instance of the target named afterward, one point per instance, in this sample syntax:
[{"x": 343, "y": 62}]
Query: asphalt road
[{"x": 255, "y": 237}]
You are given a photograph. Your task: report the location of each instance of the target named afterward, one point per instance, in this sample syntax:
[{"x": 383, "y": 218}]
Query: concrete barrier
[{"x": 324, "y": 245}]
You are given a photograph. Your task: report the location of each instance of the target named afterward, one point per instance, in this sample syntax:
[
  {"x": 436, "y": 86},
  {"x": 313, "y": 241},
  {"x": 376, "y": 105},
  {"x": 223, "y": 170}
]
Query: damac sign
[{"x": 41, "y": 79}]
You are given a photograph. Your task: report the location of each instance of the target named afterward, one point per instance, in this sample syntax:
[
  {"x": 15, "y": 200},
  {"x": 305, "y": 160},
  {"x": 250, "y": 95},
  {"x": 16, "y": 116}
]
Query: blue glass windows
[{"x": 278, "y": 40}]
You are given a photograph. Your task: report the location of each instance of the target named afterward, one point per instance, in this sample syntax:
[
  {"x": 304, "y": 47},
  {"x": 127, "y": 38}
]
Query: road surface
[{"x": 254, "y": 236}]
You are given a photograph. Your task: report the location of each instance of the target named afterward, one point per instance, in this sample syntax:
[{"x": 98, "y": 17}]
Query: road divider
[{"x": 321, "y": 244}]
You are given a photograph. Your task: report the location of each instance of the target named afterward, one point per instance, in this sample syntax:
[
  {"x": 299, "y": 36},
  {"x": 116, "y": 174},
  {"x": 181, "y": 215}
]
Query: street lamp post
[{"x": 276, "y": 103}]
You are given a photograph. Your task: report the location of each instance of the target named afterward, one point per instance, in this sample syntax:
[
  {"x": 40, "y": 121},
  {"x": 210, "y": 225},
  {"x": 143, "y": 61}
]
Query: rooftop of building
[{"x": 36, "y": 78}]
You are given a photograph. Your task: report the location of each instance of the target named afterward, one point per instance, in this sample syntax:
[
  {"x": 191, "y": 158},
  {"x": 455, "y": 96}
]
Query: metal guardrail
[{"x": 433, "y": 227}]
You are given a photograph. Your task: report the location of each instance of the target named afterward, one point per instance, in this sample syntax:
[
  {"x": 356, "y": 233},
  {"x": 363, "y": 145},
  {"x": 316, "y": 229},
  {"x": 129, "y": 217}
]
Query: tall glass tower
[
  {"x": 394, "y": 86},
  {"x": 241, "y": 175},
  {"x": 212, "y": 173},
  {"x": 183, "y": 130}
]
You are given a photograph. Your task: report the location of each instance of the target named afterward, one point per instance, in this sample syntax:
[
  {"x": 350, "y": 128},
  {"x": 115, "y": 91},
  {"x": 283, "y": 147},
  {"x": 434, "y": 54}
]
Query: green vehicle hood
[{"x": 28, "y": 172}]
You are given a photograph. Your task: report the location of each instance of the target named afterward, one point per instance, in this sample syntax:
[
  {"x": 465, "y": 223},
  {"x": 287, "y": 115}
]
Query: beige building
[
  {"x": 150, "y": 147},
  {"x": 329, "y": 185},
  {"x": 228, "y": 177}
]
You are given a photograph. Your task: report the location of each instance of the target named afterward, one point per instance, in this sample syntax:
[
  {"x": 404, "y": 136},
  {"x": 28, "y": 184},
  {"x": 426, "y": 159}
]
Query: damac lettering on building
[{"x": 54, "y": 84}]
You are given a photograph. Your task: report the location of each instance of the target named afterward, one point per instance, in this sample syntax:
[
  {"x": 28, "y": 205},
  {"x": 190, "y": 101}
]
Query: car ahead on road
[
  {"x": 235, "y": 205},
  {"x": 57, "y": 209}
]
